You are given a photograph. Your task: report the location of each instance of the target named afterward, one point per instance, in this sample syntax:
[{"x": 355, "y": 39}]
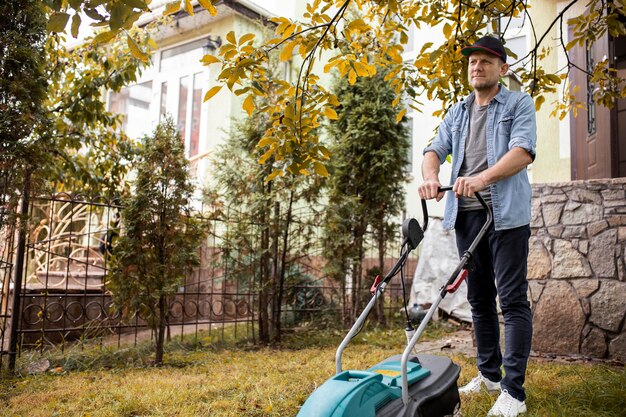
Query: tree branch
[{"x": 309, "y": 57}]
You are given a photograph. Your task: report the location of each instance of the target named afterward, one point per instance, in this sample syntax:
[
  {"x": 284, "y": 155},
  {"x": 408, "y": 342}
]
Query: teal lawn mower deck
[
  {"x": 377, "y": 392},
  {"x": 406, "y": 385}
]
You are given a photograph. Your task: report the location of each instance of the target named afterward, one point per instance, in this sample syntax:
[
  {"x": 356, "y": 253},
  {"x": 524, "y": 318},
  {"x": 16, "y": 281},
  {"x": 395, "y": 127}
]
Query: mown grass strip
[{"x": 241, "y": 380}]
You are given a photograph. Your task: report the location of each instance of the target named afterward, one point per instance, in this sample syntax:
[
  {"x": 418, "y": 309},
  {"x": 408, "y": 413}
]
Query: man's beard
[{"x": 484, "y": 85}]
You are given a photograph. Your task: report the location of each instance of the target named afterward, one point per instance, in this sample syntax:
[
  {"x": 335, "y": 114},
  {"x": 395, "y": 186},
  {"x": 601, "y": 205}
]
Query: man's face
[{"x": 484, "y": 70}]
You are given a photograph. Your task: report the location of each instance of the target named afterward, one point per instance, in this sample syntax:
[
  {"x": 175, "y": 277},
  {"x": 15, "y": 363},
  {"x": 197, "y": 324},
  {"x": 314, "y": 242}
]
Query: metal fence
[{"x": 61, "y": 295}]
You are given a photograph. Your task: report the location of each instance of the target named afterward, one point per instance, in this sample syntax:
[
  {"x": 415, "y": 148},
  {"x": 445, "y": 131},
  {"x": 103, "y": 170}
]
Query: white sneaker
[
  {"x": 476, "y": 384},
  {"x": 507, "y": 406}
]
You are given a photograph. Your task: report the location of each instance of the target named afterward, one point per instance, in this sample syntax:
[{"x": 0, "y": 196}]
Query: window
[
  {"x": 175, "y": 91},
  {"x": 182, "y": 56},
  {"x": 196, "y": 106},
  {"x": 183, "y": 93},
  {"x": 163, "y": 106},
  {"x": 134, "y": 103},
  {"x": 518, "y": 47},
  {"x": 514, "y": 34}
]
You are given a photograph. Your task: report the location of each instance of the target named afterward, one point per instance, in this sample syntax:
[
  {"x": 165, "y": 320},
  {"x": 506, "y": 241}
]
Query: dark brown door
[
  {"x": 591, "y": 129},
  {"x": 598, "y": 134}
]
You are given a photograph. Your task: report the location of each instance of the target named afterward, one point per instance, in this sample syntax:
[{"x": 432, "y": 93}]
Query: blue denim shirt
[{"x": 510, "y": 123}]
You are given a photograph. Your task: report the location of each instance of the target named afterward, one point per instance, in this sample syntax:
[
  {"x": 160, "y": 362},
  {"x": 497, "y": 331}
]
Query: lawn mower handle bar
[
  {"x": 444, "y": 189},
  {"x": 443, "y": 292}
]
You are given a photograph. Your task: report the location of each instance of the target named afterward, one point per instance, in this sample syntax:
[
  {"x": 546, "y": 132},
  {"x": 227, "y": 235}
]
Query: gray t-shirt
[{"x": 475, "y": 160}]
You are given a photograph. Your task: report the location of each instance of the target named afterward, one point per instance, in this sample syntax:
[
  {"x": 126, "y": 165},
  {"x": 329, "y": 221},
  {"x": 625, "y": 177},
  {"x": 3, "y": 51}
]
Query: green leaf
[
  {"x": 105, "y": 37},
  {"x": 554, "y": 78},
  {"x": 137, "y": 4},
  {"x": 93, "y": 13},
  {"x": 136, "y": 51},
  {"x": 75, "y": 25},
  {"x": 57, "y": 22}
]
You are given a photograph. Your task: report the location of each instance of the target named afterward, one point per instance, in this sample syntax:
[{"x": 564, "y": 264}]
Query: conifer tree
[
  {"x": 160, "y": 240},
  {"x": 279, "y": 211},
  {"x": 370, "y": 153}
]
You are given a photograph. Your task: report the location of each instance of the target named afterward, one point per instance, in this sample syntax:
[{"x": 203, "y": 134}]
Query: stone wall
[{"x": 576, "y": 268}]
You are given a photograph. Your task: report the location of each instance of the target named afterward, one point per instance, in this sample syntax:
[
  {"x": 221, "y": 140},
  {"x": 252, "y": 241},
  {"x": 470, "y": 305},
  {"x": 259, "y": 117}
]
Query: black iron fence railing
[{"x": 63, "y": 295}]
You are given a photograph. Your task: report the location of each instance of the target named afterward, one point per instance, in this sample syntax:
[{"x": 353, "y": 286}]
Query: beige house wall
[{"x": 553, "y": 163}]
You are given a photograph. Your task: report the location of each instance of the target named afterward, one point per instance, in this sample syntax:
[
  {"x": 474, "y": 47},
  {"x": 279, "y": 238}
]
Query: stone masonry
[{"x": 577, "y": 268}]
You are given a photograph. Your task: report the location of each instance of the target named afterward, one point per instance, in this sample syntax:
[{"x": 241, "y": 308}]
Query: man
[{"x": 491, "y": 136}]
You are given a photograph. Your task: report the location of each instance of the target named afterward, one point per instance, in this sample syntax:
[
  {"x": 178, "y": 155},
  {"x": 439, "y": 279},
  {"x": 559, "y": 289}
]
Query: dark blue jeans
[{"x": 499, "y": 268}]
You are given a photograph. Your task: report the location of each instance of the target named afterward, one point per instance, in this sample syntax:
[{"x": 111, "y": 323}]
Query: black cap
[{"x": 487, "y": 44}]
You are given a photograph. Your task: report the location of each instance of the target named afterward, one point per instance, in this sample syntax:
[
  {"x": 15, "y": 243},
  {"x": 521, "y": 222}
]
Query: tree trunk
[
  {"x": 275, "y": 271},
  {"x": 344, "y": 301},
  {"x": 283, "y": 261},
  {"x": 264, "y": 299},
  {"x": 160, "y": 328}
]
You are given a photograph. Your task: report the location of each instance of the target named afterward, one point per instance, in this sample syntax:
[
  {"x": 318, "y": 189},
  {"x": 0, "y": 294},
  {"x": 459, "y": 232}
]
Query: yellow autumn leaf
[
  {"x": 400, "y": 115},
  {"x": 208, "y": 6},
  {"x": 245, "y": 38},
  {"x": 538, "y": 102},
  {"x": 135, "y": 51},
  {"x": 266, "y": 155},
  {"x": 248, "y": 105},
  {"x": 287, "y": 52},
  {"x": 209, "y": 59},
  {"x": 352, "y": 77},
  {"x": 230, "y": 37},
  {"x": 358, "y": 24},
  {"x": 266, "y": 141},
  {"x": 320, "y": 169},
  {"x": 276, "y": 173},
  {"x": 289, "y": 30},
  {"x": 188, "y": 7},
  {"x": 213, "y": 91},
  {"x": 171, "y": 8},
  {"x": 331, "y": 113},
  {"x": 360, "y": 69}
]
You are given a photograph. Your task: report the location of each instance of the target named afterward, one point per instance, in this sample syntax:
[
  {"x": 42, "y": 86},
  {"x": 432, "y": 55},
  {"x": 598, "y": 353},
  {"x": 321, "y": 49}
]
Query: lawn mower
[{"x": 406, "y": 385}]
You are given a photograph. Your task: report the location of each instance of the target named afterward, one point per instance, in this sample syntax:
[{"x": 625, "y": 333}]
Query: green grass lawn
[{"x": 199, "y": 379}]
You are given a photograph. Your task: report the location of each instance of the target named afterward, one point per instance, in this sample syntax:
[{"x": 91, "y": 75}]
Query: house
[{"x": 176, "y": 82}]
